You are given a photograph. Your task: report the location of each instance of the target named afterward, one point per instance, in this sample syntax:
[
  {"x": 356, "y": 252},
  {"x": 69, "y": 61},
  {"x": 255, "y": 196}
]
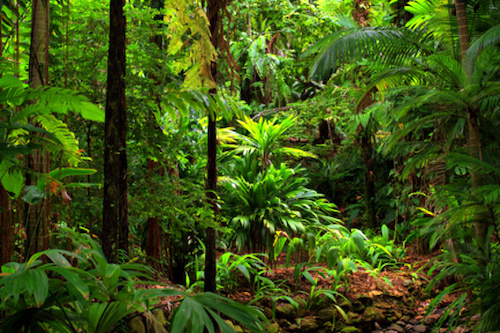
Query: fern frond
[{"x": 65, "y": 144}]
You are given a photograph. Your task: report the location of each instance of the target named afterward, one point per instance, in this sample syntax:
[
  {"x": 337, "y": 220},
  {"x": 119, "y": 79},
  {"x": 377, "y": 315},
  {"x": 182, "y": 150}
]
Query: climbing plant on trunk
[{"x": 37, "y": 209}]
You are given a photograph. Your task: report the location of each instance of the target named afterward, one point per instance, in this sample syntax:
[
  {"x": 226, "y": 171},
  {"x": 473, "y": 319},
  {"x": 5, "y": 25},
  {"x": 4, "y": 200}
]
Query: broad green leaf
[
  {"x": 12, "y": 180},
  {"x": 60, "y": 173},
  {"x": 91, "y": 111}
]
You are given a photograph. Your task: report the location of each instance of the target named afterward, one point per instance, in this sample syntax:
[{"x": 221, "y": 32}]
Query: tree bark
[
  {"x": 115, "y": 201},
  {"x": 5, "y": 226},
  {"x": 474, "y": 137},
  {"x": 463, "y": 31},
  {"x": 213, "y": 11},
  {"x": 36, "y": 216}
]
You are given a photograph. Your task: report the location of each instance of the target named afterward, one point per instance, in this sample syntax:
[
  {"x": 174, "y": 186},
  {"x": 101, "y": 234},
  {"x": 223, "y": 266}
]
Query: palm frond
[
  {"x": 488, "y": 39},
  {"x": 381, "y": 45}
]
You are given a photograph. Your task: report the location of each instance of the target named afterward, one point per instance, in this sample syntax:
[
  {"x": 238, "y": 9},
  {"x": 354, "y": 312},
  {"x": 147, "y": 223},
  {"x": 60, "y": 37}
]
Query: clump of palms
[{"x": 262, "y": 194}]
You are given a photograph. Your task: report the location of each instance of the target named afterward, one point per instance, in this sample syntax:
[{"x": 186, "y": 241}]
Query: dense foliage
[{"x": 347, "y": 132}]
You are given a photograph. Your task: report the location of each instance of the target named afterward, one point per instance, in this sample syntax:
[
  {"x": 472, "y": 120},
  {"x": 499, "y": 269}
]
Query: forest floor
[{"x": 393, "y": 300}]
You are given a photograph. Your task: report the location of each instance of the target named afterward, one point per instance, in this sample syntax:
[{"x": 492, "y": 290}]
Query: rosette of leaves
[{"x": 261, "y": 203}]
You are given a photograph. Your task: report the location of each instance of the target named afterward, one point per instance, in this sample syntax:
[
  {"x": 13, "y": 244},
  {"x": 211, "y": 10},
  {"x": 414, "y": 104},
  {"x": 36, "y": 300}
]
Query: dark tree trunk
[
  {"x": 5, "y": 226},
  {"x": 115, "y": 204},
  {"x": 367, "y": 155},
  {"x": 366, "y": 146},
  {"x": 213, "y": 11}
]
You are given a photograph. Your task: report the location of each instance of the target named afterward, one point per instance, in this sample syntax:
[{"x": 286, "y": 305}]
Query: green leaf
[
  {"x": 385, "y": 234},
  {"x": 60, "y": 173},
  {"x": 33, "y": 195},
  {"x": 91, "y": 111},
  {"x": 359, "y": 240},
  {"x": 12, "y": 180}
]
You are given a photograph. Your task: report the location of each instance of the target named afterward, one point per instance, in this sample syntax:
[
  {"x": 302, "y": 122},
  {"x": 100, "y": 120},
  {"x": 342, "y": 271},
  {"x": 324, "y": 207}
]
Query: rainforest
[{"x": 249, "y": 166}]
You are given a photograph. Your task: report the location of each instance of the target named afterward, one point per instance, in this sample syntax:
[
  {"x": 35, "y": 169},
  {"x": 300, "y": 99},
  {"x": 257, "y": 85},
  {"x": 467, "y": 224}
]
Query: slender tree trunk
[
  {"x": 474, "y": 137},
  {"x": 115, "y": 202},
  {"x": 5, "y": 226},
  {"x": 463, "y": 31},
  {"x": 154, "y": 231},
  {"x": 366, "y": 146},
  {"x": 367, "y": 155},
  {"x": 36, "y": 214},
  {"x": 213, "y": 11}
]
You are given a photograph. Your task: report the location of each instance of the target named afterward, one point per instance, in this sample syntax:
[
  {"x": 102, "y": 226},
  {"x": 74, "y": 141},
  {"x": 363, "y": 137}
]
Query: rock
[
  {"x": 286, "y": 311},
  {"x": 377, "y": 326},
  {"x": 302, "y": 308},
  {"x": 419, "y": 328},
  {"x": 414, "y": 321},
  {"x": 353, "y": 318},
  {"x": 410, "y": 302},
  {"x": 283, "y": 323},
  {"x": 273, "y": 328},
  {"x": 401, "y": 323},
  {"x": 383, "y": 305},
  {"x": 408, "y": 327},
  {"x": 431, "y": 319},
  {"x": 136, "y": 325},
  {"x": 372, "y": 313},
  {"x": 397, "y": 328},
  {"x": 309, "y": 324},
  {"x": 326, "y": 314},
  {"x": 268, "y": 312},
  {"x": 391, "y": 331},
  {"x": 407, "y": 282},
  {"x": 160, "y": 316},
  {"x": 358, "y": 307}
]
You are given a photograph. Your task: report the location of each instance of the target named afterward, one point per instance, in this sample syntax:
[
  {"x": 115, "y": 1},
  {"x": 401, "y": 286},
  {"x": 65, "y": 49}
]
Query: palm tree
[{"x": 424, "y": 60}]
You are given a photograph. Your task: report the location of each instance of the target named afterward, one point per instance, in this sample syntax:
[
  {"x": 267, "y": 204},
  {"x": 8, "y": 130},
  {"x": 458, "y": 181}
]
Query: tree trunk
[
  {"x": 5, "y": 226},
  {"x": 36, "y": 216},
  {"x": 474, "y": 137},
  {"x": 115, "y": 202},
  {"x": 463, "y": 31},
  {"x": 366, "y": 146},
  {"x": 367, "y": 155},
  {"x": 213, "y": 13}
]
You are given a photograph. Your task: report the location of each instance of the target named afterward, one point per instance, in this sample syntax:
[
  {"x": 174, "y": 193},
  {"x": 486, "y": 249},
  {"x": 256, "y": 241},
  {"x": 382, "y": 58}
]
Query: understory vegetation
[{"x": 249, "y": 165}]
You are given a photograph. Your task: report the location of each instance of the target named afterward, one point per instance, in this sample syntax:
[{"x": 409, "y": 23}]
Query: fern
[{"x": 65, "y": 145}]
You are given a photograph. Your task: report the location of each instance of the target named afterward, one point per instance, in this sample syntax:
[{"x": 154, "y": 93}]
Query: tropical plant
[
  {"x": 263, "y": 142},
  {"x": 97, "y": 296},
  {"x": 230, "y": 268},
  {"x": 272, "y": 201},
  {"x": 18, "y": 137}
]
